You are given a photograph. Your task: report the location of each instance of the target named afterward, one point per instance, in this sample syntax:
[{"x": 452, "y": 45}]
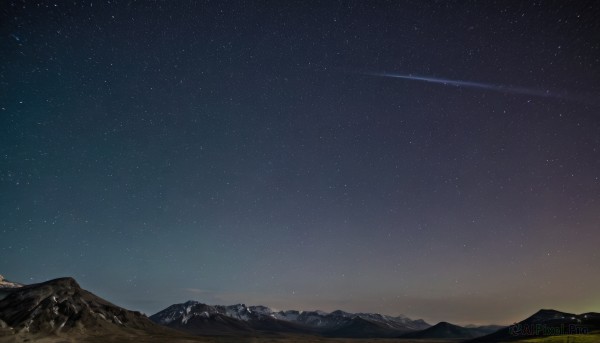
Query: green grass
[{"x": 593, "y": 337}]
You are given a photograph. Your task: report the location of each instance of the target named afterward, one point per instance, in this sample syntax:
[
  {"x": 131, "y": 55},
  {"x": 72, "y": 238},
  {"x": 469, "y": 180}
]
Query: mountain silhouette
[
  {"x": 61, "y": 308},
  {"x": 198, "y": 318},
  {"x": 445, "y": 330},
  {"x": 546, "y": 322}
]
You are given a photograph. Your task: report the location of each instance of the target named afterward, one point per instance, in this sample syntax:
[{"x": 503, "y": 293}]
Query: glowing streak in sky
[{"x": 459, "y": 83}]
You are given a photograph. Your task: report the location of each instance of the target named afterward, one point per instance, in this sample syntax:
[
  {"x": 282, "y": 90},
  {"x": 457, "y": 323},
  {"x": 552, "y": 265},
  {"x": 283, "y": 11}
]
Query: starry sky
[{"x": 262, "y": 152}]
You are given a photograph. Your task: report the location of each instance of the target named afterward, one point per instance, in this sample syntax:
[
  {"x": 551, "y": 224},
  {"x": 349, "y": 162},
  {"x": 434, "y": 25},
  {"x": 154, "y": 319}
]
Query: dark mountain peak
[
  {"x": 548, "y": 314},
  {"x": 65, "y": 282},
  {"x": 548, "y": 317},
  {"x": 444, "y": 330},
  {"x": 341, "y": 313},
  {"x": 444, "y": 324},
  {"x": 61, "y": 305}
]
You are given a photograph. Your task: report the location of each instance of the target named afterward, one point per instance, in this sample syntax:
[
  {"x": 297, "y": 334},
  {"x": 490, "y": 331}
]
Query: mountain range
[
  {"x": 196, "y": 317},
  {"x": 61, "y": 311}
]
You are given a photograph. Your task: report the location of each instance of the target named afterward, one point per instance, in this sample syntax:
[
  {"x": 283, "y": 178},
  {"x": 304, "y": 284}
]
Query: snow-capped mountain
[
  {"x": 189, "y": 315},
  {"x": 320, "y": 319},
  {"x": 62, "y": 307},
  {"x": 198, "y": 318},
  {"x": 184, "y": 312},
  {"x": 8, "y": 284}
]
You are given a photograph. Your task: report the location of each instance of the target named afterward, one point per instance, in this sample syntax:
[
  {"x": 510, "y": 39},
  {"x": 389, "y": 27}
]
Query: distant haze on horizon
[{"x": 242, "y": 152}]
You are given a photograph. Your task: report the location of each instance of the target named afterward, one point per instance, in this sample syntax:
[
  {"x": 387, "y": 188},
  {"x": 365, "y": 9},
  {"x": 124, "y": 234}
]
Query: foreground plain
[
  {"x": 201, "y": 339},
  {"x": 591, "y": 338}
]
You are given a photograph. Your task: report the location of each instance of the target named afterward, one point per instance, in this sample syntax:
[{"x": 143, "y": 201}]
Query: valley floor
[
  {"x": 201, "y": 339},
  {"x": 591, "y": 338}
]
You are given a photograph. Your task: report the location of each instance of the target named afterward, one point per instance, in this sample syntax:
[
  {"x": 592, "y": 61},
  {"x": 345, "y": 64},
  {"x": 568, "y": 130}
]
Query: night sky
[{"x": 266, "y": 153}]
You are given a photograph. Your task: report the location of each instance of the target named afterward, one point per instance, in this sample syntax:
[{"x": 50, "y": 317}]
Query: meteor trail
[{"x": 470, "y": 84}]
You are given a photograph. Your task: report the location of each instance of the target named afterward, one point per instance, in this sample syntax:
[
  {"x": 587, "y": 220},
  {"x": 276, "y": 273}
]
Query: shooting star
[{"x": 470, "y": 84}]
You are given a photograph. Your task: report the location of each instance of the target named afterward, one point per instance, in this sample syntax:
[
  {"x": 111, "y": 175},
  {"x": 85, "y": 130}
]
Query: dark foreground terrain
[
  {"x": 191, "y": 339},
  {"x": 592, "y": 338}
]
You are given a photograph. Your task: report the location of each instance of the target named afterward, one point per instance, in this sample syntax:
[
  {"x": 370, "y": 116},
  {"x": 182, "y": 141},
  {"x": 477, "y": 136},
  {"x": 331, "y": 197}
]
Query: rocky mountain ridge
[{"x": 192, "y": 316}]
